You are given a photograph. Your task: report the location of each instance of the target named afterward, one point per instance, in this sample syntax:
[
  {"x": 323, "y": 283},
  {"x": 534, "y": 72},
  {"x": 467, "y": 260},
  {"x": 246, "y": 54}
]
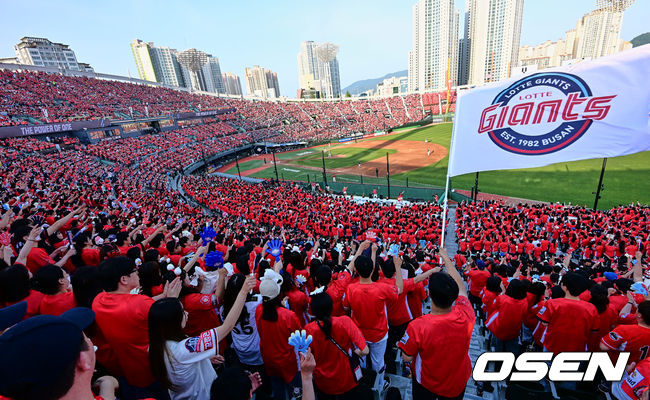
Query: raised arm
[
  {"x": 235, "y": 311},
  {"x": 638, "y": 268},
  {"x": 399, "y": 280},
  {"x": 451, "y": 270},
  {"x": 62, "y": 221},
  {"x": 426, "y": 275}
]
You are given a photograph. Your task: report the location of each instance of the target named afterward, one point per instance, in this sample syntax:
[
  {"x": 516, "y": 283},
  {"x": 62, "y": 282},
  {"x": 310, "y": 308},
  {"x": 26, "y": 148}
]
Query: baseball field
[{"x": 420, "y": 157}]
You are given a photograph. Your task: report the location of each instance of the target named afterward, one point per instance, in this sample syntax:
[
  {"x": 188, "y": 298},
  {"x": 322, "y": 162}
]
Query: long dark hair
[
  {"x": 599, "y": 298},
  {"x": 14, "y": 284},
  {"x": 270, "y": 308},
  {"x": 150, "y": 276},
  {"x": 165, "y": 323},
  {"x": 86, "y": 285},
  {"x": 321, "y": 308},
  {"x": 230, "y": 295}
]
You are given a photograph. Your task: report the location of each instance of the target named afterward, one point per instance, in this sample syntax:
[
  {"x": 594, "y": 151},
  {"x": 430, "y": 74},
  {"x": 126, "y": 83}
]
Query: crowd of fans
[
  {"x": 36, "y": 97},
  {"x": 113, "y": 283}
]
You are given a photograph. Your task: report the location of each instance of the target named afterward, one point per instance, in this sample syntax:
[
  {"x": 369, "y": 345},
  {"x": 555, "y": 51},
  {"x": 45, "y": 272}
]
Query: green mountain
[
  {"x": 367, "y": 84},
  {"x": 640, "y": 40}
]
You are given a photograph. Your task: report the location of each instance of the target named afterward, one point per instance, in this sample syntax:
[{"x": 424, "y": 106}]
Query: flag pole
[
  {"x": 600, "y": 184},
  {"x": 451, "y": 158}
]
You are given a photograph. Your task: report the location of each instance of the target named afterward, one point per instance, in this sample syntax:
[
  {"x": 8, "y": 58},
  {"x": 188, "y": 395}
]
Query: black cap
[
  {"x": 12, "y": 315},
  {"x": 36, "y": 351}
]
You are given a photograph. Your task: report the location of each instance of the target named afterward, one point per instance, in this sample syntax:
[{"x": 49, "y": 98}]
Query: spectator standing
[{"x": 435, "y": 342}]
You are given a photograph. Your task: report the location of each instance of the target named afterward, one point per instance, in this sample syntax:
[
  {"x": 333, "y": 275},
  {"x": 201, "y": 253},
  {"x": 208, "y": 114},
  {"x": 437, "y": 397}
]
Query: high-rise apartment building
[
  {"x": 160, "y": 64},
  {"x": 493, "y": 35},
  {"x": 157, "y": 64},
  {"x": 596, "y": 34},
  {"x": 44, "y": 53},
  {"x": 232, "y": 84},
  {"x": 262, "y": 83},
  {"x": 212, "y": 75},
  {"x": 434, "y": 58},
  {"x": 318, "y": 68},
  {"x": 463, "y": 50}
]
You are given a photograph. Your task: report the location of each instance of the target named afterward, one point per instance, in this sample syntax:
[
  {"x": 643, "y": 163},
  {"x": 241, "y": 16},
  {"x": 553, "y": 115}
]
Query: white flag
[{"x": 587, "y": 110}]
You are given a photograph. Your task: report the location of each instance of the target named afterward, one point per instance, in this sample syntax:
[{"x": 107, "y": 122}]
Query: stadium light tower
[
  {"x": 193, "y": 60},
  {"x": 326, "y": 52}
]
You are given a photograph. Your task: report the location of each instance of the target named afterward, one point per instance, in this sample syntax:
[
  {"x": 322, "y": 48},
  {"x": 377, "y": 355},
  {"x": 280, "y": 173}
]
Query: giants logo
[{"x": 542, "y": 113}]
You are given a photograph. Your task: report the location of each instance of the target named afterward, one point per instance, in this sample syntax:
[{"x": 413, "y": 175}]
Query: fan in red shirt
[
  {"x": 54, "y": 283},
  {"x": 398, "y": 311},
  {"x": 439, "y": 340},
  {"x": 367, "y": 302},
  {"x": 51, "y": 357},
  {"x": 635, "y": 385},
  {"x": 332, "y": 375},
  {"x": 275, "y": 324},
  {"x": 477, "y": 280},
  {"x": 505, "y": 321},
  {"x": 632, "y": 338},
  {"x": 15, "y": 287},
  {"x": 570, "y": 320},
  {"x": 122, "y": 319}
]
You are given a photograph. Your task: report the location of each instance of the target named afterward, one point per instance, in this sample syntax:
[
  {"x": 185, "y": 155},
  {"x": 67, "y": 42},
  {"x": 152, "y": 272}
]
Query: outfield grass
[
  {"x": 348, "y": 156},
  {"x": 626, "y": 180},
  {"x": 245, "y": 166}
]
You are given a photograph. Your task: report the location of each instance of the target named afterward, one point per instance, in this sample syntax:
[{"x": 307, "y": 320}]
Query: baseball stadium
[{"x": 476, "y": 227}]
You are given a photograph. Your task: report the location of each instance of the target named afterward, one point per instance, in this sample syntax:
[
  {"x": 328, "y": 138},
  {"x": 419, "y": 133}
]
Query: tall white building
[
  {"x": 434, "y": 58},
  {"x": 598, "y": 33},
  {"x": 232, "y": 83},
  {"x": 160, "y": 64},
  {"x": 262, "y": 82},
  {"x": 318, "y": 68},
  {"x": 157, "y": 64},
  {"x": 463, "y": 50},
  {"x": 212, "y": 76},
  {"x": 494, "y": 34},
  {"x": 44, "y": 53}
]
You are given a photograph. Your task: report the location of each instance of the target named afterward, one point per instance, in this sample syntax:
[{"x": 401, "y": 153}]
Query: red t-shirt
[
  {"x": 636, "y": 383},
  {"x": 477, "y": 281},
  {"x": 398, "y": 310},
  {"x": 298, "y": 303},
  {"x": 367, "y": 303},
  {"x": 57, "y": 304},
  {"x": 90, "y": 257},
  {"x": 278, "y": 355},
  {"x": 440, "y": 346},
  {"x": 332, "y": 374},
  {"x": 37, "y": 258},
  {"x": 632, "y": 338},
  {"x": 33, "y": 300},
  {"x": 607, "y": 321},
  {"x": 505, "y": 322},
  {"x": 123, "y": 321},
  {"x": 570, "y": 323},
  {"x": 336, "y": 290},
  {"x": 415, "y": 299}
]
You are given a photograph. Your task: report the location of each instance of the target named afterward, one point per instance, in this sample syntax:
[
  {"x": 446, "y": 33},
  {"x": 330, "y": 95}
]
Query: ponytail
[{"x": 270, "y": 309}]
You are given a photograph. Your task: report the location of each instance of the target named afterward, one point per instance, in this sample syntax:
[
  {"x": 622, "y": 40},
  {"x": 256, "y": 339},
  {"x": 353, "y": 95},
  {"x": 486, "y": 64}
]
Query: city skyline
[{"x": 374, "y": 40}]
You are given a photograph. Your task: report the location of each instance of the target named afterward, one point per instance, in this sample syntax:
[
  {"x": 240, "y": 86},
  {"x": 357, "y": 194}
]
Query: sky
[{"x": 374, "y": 35}]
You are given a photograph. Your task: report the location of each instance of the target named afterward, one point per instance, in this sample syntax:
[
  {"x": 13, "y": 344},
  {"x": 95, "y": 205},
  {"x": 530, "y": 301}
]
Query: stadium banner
[
  {"x": 43, "y": 129},
  {"x": 208, "y": 113},
  {"x": 587, "y": 110}
]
